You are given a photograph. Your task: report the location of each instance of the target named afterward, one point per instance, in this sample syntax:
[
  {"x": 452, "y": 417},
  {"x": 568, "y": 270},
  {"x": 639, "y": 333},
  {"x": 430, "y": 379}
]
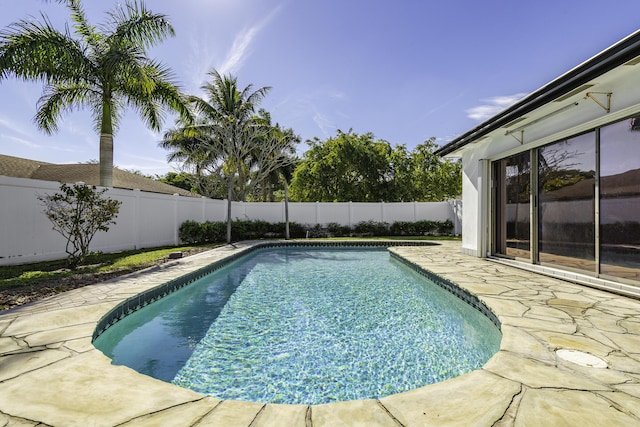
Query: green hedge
[{"x": 193, "y": 232}]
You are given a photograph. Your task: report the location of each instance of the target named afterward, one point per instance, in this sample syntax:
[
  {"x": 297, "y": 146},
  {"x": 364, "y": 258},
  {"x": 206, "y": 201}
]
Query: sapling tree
[{"x": 78, "y": 212}]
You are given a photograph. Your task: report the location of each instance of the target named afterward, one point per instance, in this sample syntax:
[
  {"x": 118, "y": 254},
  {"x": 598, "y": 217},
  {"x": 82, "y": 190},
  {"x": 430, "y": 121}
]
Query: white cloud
[
  {"x": 241, "y": 47},
  {"x": 493, "y": 106},
  {"x": 21, "y": 141},
  {"x": 336, "y": 94},
  {"x": 200, "y": 60},
  {"x": 11, "y": 125},
  {"x": 324, "y": 123}
]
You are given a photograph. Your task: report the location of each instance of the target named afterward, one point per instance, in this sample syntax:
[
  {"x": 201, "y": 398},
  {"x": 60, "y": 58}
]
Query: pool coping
[{"x": 51, "y": 374}]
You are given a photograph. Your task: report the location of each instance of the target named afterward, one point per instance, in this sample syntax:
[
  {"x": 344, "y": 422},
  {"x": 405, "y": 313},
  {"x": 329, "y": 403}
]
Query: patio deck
[{"x": 50, "y": 373}]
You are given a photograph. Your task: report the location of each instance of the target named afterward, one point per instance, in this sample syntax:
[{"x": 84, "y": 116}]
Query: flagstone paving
[{"x": 51, "y": 375}]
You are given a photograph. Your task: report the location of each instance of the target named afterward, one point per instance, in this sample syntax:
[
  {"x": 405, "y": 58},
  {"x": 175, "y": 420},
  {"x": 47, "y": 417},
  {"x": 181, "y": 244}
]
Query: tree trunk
[
  {"x": 106, "y": 144},
  {"x": 106, "y": 160},
  {"x": 286, "y": 211},
  {"x": 229, "y": 194}
]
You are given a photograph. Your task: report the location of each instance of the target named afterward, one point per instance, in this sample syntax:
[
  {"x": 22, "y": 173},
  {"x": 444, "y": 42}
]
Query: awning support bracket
[
  {"x": 515, "y": 136},
  {"x": 605, "y": 105}
]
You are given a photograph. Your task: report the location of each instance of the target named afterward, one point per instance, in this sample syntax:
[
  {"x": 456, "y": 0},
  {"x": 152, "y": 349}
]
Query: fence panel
[
  {"x": 216, "y": 210},
  {"x": 333, "y": 212},
  {"x": 124, "y": 233},
  {"x": 24, "y": 229},
  {"x": 268, "y": 211}
]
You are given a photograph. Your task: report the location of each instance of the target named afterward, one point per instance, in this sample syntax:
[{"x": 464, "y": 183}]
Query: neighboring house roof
[
  {"x": 88, "y": 173},
  {"x": 613, "y": 57},
  {"x": 18, "y": 167}
]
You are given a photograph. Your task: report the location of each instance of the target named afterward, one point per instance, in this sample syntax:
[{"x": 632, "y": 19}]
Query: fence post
[
  {"x": 350, "y": 214},
  {"x": 317, "y": 208},
  {"x": 136, "y": 218},
  {"x": 204, "y": 208}
]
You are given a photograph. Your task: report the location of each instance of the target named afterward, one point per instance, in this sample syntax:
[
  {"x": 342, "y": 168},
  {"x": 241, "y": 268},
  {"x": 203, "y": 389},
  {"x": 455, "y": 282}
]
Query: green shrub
[
  {"x": 371, "y": 228},
  {"x": 296, "y": 230},
  {"x": 193, "y": 232},
  {"x": 78, "y": 212},
  {"x": 338, "y": 230},
  {"x": 214, "y": 232}
]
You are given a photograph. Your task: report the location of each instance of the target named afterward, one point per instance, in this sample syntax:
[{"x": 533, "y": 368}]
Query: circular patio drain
[{"x": 581, "y": 358}]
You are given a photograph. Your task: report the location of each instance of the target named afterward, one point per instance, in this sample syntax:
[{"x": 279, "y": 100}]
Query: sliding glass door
[
  {"x": 512, "y": 217},
  {"x": 586, "y": 195},
  {"x": 620, "y": 200},
  {"x": 566, "y": 208}
]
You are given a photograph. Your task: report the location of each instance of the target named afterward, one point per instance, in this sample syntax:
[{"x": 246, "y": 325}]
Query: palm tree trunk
[
  {"x": 229, "y": 194},
  {"x": 286, "y": 211},
  {"x": 106, "y": 160},
  {"x": 106, "y": 147}
]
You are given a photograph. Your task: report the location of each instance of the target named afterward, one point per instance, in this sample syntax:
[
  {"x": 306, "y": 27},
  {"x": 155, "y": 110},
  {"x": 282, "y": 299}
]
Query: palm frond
[
  {"x": 57, "y": 99},
  {"x": 38, "y": 51},
  {"x": 82, "y": 26},
  {"x": 136, "y": 24}
]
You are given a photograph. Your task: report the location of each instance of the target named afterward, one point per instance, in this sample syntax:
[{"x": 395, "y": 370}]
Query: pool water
[{"x": 305, "y": 325}]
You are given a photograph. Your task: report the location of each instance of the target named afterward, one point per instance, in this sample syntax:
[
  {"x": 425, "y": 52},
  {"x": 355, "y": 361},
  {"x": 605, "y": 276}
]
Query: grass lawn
[{"x": 24, "y": 283}]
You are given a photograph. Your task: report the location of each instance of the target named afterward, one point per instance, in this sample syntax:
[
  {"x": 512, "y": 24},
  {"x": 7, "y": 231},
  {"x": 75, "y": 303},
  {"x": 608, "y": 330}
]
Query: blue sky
[{"x": 405, "y": 70}]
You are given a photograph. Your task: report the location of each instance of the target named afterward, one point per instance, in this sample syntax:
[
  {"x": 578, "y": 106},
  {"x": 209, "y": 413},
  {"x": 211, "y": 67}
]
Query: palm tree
[
  {"x": 103, "y": 68},
  {"x": 185, "y": 144},
  {"x": 228, "y": 116},
  {"x": 231, "y": 138},
  {"x": 286, "y": 141},
  {"x": 230, "y": 113}
]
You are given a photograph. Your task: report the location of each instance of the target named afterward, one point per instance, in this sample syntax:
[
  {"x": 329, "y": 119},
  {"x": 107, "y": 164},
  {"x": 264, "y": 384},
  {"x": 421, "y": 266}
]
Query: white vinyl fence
[{"x": 151, "y": 219}]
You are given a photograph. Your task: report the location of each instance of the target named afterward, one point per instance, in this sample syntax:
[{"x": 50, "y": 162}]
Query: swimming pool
[{"x": 305, "y": 325}]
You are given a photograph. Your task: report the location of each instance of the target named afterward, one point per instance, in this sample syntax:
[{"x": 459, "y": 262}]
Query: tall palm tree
[
  {"x": 104, "y": 68},
  {"x": 232, "y": 139},
  {"x": 227, "y": 129}
]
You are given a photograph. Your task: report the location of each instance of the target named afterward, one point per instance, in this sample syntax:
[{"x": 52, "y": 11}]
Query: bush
[
  {"x": 422, "y": 228},
  {"x": 214, "y": 232},
  {"x": 78, "y": 212},
  {"x": 193, "y": 232},
  {"x": 371, "y": 228},
  {"x": 250, "y": 229},
  {"x": 337, "y": 230}
]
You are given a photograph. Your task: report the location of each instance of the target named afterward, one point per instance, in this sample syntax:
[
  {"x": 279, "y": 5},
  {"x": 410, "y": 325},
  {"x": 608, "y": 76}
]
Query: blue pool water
[{"x": 305, "y": 325}]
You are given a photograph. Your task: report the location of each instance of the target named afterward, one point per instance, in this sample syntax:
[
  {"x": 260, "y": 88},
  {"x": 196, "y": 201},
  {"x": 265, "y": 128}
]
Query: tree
[
  {"x": 286, "y": 174},
  {"x": 78, "y": 212},
  {"x": 347, "y": 167},
  {"x": 358, "y": 168},
  {"x": 284, "y": 162},
  {"x": 104, "y": 68},
  {"x": 434, "y": 179},
  {"x": 178, "y": 179},
  {"x": 228, "y": 138},
  {"x": 284, "y": 159}
]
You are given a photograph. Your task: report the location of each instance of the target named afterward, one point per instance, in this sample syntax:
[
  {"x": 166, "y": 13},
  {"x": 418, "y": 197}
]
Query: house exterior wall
[{"x": 152, "y": 219}]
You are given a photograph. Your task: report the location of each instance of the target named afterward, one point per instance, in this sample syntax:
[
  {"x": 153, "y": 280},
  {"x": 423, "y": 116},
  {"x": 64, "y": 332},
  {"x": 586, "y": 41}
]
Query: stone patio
[{"x": 51, "y": 375}]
